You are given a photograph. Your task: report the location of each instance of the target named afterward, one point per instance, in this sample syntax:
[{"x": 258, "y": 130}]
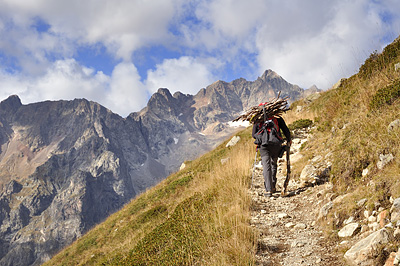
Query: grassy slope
[
  {"x": 197, "y": 216},
  {"x": 351, "y": 122}
]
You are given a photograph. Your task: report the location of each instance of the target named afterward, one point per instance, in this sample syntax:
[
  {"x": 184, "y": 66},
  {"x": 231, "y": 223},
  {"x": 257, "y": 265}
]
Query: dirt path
[{"x": 288, "y": 234}]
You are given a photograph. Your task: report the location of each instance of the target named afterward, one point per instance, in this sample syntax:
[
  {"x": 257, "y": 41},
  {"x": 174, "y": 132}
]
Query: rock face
[{"x": 66, "y": 165}]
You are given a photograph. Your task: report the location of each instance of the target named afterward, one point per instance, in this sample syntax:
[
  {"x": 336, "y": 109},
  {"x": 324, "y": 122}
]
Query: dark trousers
[{"x": 269, "y": 161}]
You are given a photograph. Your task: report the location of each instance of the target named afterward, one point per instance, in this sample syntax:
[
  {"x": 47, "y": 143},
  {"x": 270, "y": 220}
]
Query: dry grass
[
  {"x": 198, "y": 216},
  {"x": 355, "y": 131}
]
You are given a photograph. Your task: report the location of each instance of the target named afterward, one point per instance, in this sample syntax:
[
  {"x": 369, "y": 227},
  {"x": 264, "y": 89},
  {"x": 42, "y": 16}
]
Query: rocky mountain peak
[
  {"x": 269, "y": 74},
  {"x": 11, "y": 103}
]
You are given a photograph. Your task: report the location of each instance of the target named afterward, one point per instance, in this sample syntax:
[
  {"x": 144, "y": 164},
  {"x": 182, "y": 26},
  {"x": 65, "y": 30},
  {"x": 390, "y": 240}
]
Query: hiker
[{"x": 270, "y": 152}]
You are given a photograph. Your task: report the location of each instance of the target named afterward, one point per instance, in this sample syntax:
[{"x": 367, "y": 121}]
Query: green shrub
[
  {"x": 386, "y": 95},
  {"x": 301, "y": 123}
]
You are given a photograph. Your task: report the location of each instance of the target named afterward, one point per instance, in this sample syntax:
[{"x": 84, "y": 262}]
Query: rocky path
[{"x": 288, "y": 233}]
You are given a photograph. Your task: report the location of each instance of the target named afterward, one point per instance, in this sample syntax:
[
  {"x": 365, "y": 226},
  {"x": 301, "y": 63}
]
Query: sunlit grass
[{"x": 197, "y": 216}]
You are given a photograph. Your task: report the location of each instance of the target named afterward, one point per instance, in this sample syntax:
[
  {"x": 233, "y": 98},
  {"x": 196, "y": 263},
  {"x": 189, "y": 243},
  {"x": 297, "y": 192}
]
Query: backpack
[{"x": 268, "y": 134}]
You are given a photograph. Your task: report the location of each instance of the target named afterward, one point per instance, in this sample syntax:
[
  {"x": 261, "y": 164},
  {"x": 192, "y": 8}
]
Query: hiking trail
[{"x": 287, "y": 225}]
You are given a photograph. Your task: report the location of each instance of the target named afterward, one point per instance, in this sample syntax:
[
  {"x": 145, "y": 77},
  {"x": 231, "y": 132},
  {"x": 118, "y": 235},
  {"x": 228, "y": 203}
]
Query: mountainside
[
  {"x": 66, "y": 165},
  {"x": 356, "y": 134},
  {"x": 200, "y": 215}
]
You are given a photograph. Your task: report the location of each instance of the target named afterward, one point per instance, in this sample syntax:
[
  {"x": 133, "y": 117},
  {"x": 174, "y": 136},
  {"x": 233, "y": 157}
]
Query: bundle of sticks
[{"x": 255, "y": 114}]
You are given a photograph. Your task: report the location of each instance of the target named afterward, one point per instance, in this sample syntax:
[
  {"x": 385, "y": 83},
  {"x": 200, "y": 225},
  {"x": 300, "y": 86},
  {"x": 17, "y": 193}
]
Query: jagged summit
[
  {"x": 73, "y": 163},
  {"x": 13, "y": 102},
  {"x": 270, "y": 74}
]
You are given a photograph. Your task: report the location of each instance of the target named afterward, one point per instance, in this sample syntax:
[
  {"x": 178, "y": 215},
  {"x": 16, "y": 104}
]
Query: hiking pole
[
  {"x": 285, "y": 184},
  {"x": 254, "y": 168}
]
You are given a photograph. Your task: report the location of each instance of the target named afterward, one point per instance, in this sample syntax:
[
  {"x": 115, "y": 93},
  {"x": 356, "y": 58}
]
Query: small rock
[
  {"x": 384, "y": 159},
  {"x": 396, "y": 233},
  {"x": 393, "y": 126},
  {"x": 374, "y": 226},
  {"x": 364, "y": 228},
  {"x": 300, "y": 226},
  {"x": 390, "y": 260},
  {"x": 183, "y": 165},
  {"x": 372, "y": 219},
  {"x": 395, "y": 210},
  {"x": 389, "y": 225},
  {"x": 234, "y": 140},
  {"x": 308, "y": 174},
  {"x": 225, "y": 160},
  {"x": 397, "y": 258},
  {"x": 299, "y": 109},
  {"x": 348, "y": 220},
  {"x": 349, "y": 230},
  {"x": 289, "y": 225},
  {"x": 298, "y": 244},
  {"x": 382, "y": 218},
  {"x": 316, "y": 159},
  {"x": 367, "y": 214},
  {"x": 282, "y": 215},
  {"x": 323, "y": 212},
  {"x": 361, "y": 202},
  {"x": 263, "y": 211},
  {"x": 365, "y": 172}
]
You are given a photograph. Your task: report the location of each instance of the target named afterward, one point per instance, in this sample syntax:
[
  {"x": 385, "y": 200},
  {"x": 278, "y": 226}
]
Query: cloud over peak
[{"x": 181, "y": 45}]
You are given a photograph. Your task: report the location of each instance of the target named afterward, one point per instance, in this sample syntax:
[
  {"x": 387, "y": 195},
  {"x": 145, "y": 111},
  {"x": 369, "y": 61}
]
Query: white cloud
[
  {"x": 185, "y": 74},
  {"x": 123, "y": 25},
  {"x": 232, "y": 18},
  {"x": 306, "y": 42},
  {"x": 127, "y": 93},
  {"x": 332, "y": 47},
  {"x": 122, "y": 92}
]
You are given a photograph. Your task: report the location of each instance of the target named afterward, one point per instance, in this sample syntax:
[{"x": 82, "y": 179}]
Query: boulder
[
  {"x": 365, "y": 251},
  {"x": 349, "y": 230},
  {"x": 308, "y": 174}
]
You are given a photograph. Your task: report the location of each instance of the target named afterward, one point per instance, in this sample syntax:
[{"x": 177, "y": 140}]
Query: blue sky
[{"x": 120, "y": 52}]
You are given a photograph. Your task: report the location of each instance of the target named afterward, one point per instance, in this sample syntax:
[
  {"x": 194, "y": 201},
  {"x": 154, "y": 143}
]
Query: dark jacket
[{"x": 282, "y": 126}]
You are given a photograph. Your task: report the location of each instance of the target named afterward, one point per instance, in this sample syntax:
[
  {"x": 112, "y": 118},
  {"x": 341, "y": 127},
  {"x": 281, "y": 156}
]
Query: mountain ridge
[{"x": 69, "y": 164}]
